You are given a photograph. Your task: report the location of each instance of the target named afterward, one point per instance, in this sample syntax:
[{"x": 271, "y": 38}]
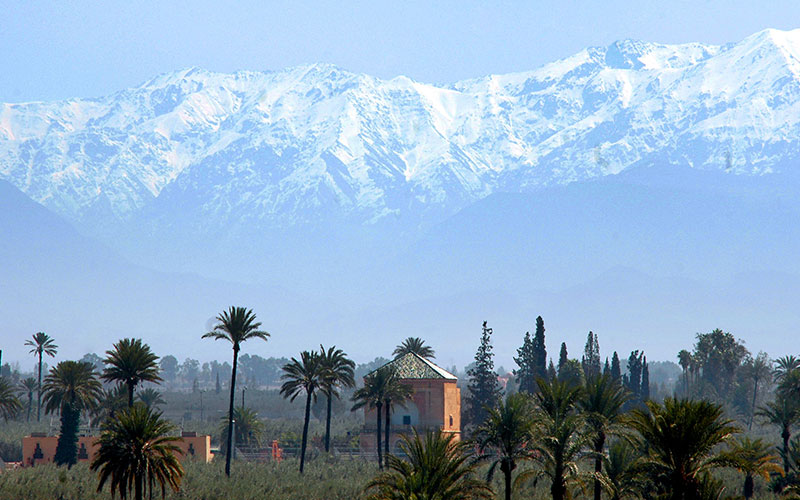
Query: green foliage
[
  {"x": 304, "y": 376},
  {"x": 10, "y": 404},
  {"x": 436, "y": 467},
  {"x": 415, "y": 345},
  {"x": 484, "y": 389},
  {"x": 67, "y": 446},
  {"x": 41, "y": 344},
  {"x": 337, "y": 371},
  {"x": 131, "y": 362},
  {"x": 71, "y": 383},
  {"x": 531, "y": 359},
  {"x": 249, "y": 429},
  {"x": 591, "y": 357}
]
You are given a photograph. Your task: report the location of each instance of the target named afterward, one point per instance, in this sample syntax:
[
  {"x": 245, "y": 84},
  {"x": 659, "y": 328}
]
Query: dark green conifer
[
  {"x": 540, "y": 351},
  {"x": 484, "y": 388},
  {"x": 526, "y": 361},
  {"x": 616, "y": 370}
]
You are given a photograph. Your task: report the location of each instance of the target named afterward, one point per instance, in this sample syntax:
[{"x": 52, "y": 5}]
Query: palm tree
[
  {"x": 29, "y": 386},
  {"x": 42, "y": 344},
  {"x": 235, "y": 325},
  {"x": 753, "y": 458},
  {"x": 372, "y": 396},
  {"x": 602, "y": 401},
  {"x": 626, "y": 478},
  {"x": 136, "y": 452},
  {"x": 505, "y": 435},
  {"x": 110, "y": 402},
  {"x": 436, "y": 467},
  {"x": 9, "y": 402},
  {"x": 395, "y": 393},
  {"x": 561, "y": 437},
  {"x": 249, "y": 428},
  {"x": 784, "y": 413},
  {"x": 680, "y": 437},
  {"x": 151, "y": 398},
  {"x": 759, "y": 371},
  {"x": 785, "y": 366},
  {"x": 304, "y": 375},
  {"x": 131, "y": 362},
  {"x": 337, "y": 372},
  {"x": 685, "y": 360},
  {"x": 71, "y": 387},
  {"x": 415, "y": 345}
]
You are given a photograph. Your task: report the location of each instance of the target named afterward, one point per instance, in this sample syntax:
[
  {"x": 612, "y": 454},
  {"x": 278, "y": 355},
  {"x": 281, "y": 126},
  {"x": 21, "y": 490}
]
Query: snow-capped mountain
[{"x": 281, "y": 148}]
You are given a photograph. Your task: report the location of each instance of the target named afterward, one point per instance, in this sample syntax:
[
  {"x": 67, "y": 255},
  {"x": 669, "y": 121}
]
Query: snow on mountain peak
[{"x": 282, "y": 147}]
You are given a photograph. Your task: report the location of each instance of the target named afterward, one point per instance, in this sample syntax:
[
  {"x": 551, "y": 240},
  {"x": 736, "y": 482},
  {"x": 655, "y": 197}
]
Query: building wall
[{"x": 88, "y": 446}]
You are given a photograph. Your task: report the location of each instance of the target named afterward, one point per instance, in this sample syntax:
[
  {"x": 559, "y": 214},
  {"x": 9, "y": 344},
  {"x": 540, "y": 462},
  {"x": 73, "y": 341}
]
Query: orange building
[
  {"x": 434, "y": 404},
  {"x": 39, "y": 448}
]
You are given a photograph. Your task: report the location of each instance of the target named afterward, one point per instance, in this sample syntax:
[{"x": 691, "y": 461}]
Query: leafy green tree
[
  {"x": 560, "y": 438},
  {"x": 437, "y": 467},
  {"x": 136, "y": 452},
  {"x": 396, "y": 393},
  {"x": 236, "y": 325},
  {"x": 151, "y": 398},
  {"x": 70, "y": 388},
  {"x": 681, "y": 439},
  {"x": 719, "y": 356},
  {"x": 337, "y": 372},
  {"x": 616, "y": 369},
  {"x": 601, "y": 402},
  {"x": 633, "y": 379},
  {"x": 591, "y": 357},
  {"x": 484, "y": 389},
  {"x": 41, "y": 344},
  {"x": 571, "y": 372},
  {"x": 504, "y": 436},
  {"x": 169, "y": 368},
  {"x": 785, "y": 414},
  {"x": 753, "y": 459},
  {"x": 415, "y": 345},
  {"x": 131, "y": 362},
  {"x": 373, "y": 395},
  {"x": 303, "y": 376},
  {"x": 29, "y": 386},
  {"x": 526, "y": 361},
  {"x": 9, "y": 402}
]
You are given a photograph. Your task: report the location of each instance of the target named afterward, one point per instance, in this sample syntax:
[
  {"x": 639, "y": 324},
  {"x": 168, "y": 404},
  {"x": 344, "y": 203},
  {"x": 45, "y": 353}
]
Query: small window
[
  {"x": 406, "y": 419},
  {"x": 451, "y": 421}
]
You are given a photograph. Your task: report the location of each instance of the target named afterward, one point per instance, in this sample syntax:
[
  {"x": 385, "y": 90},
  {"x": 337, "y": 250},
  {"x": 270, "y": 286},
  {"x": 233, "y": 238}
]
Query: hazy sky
[{"x": 52, "y": 50}]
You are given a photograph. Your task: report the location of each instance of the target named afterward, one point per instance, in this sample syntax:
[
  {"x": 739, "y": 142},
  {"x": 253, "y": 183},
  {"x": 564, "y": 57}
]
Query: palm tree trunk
[
  {"x": 230, "y": 411},
  {"x": 753, "y": 408},
  {"x": 786, "y": 434},
  {"x": 598, "y": 463},
  {"x": 328, "y": 426},
  {"x": 507, "y": 478},
  {"x": 130, "y": 394},
  {"x": 30, "y": 406},
  {"x": 305, "y": 431},
  {"x": 138, "y": 493},
  {"x": 387, "y": 410},
  {"x": 39, "y": 392},
  {"x": 748, "y": 486},
  {"x": 380, "y": 456}
]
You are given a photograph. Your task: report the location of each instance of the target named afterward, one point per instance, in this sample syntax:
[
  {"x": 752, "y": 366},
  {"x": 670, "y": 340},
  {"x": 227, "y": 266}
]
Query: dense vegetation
[{"x": 724, "y": 427}]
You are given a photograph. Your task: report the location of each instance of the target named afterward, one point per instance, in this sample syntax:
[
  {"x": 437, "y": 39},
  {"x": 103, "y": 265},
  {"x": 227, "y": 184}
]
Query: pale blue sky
[{"x": 52, "y": 50}]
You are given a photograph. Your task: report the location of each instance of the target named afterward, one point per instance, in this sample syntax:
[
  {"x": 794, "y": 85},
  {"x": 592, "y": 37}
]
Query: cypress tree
[
  {"x": 607, "y": 369},
  {"x": 67, "y": 446},
  {"x": 645, "y": 391},
  {"x": 634, "y": 378},
  {"x": 551, "y": 371},
  {"x": 616, "y": 370},
  {"x": 540, "y": 351},
  {"x": 218, "y": 386},
  {"x": 484, "y": 388},
  {"x": 591, "y": 357},
  {"x": 526, "y": 360},
  {"x": 562, "y": 357}
]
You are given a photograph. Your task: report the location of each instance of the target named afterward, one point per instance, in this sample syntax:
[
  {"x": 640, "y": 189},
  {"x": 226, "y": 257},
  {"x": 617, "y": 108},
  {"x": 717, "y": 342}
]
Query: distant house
[{"x": 435, "y": 402}]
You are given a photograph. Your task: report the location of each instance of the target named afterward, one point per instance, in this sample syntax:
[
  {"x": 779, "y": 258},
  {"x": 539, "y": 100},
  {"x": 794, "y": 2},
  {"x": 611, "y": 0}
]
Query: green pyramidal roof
[{"x": 413, "y": 366}]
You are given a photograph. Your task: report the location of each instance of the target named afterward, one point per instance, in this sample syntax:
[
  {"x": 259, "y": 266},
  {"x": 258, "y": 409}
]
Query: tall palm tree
[
  {"x": 337, "y": 372},
  {"x": 131, "y": 362},
  {"x": 236, "y": 325},
  {"x": 110, "y": 402},
  {"x": 136, "y": 452},
  {"x": 29, "y": 386},
  {"x": 415, "y": 345},
  {"x": 42, "y": 344},
  {"x": 685, "y": 360},
  {"x": 561, "y": 437},
  {"x": 9, "y": 402},
  {"x": 303, "y": 375},
  {"x": 71, "y": 387},
  {"x": 436, "y": 467},
  {"x": 372, "y": 396},
  {"x": 395, "y": 393},
  {"x": 681, "y": 438},
  {"x": 784, "y": 413},
  {"x": 753, "y": 458},
  {"x": 759, "y": 371},
  {"x": 504, "y": 437},
  {"x": 151, "y": 398},
  {"x": 602, "y": 401},
  {"x": 784, "y": 366}
]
